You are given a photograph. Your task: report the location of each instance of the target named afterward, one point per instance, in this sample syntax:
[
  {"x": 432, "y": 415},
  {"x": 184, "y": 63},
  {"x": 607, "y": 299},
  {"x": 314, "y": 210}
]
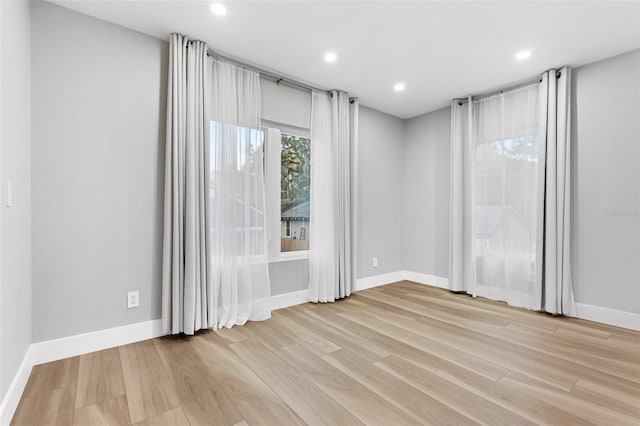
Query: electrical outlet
[
  {"x": 375, "y": 262},
  {"x": 133, "y": 299}
]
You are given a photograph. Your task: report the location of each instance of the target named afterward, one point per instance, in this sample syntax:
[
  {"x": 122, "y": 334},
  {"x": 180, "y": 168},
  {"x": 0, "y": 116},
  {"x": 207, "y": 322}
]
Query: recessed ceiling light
[
  {"x": 330, "y": 57},
  {"x": 398, "y": 87},
  {"x": 218, "y": 9},
  {"x": 523, "y": 54}
]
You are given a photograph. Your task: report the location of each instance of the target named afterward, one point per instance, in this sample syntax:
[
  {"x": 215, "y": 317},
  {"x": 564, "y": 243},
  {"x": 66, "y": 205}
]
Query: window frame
[{"x": 273, "y": 147}]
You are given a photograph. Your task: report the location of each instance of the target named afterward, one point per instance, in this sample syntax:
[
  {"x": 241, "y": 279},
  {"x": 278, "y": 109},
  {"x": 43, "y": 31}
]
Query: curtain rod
[
  {"x": 485, "y": 95},
  {"x": 268, "y": 75}
]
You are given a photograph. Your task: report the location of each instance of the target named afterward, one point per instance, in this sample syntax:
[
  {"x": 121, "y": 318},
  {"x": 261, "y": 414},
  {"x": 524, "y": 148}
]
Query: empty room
[{"x": 319, "y": 212}]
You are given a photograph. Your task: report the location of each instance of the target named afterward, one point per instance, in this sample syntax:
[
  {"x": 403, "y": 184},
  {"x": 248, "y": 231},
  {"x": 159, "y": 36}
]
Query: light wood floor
[{"x": 400, "y": 354}]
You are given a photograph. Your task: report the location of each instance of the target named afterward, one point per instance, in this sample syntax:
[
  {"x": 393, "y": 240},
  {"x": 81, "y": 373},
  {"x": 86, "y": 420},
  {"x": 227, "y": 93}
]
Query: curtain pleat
[
  {"x": 323, "y": 276},
  {"x": 461, "y": 270},
  {"x": 342, "y": 163},
  {"x": 331, "y": 273},
  {"x": 556, "y": 287},
  {"x": 185, "y": 279},
  {"x": 351, "y": 214}
]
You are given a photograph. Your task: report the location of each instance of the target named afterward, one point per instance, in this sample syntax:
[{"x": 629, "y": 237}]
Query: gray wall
[
  {"x": 285, "y": 105},
  {"x": 380, "y": 195},
  {"x": 606, "y": 183},
  {"x": 15, "y": 154},
  {"x": 289, "y": 276},
  {"x": 426, "y": 193},
  {"x": 98, "y": 136}
]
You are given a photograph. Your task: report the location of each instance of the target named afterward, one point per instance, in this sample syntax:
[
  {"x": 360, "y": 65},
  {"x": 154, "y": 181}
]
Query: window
[
  {"x": 237, "y": 214},
  {"x": 295, "y": 192},
  {"x": 288, "y": 174},
  {"x": 504, "y": 195},
  {"x": 504, "y": 229}
]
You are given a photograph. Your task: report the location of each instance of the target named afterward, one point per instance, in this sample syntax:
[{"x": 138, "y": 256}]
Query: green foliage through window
[{"x": 295, "y": 170}]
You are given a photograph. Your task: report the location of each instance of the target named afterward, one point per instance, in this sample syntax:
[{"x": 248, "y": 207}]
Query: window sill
[{"x": 289, "y": 256}]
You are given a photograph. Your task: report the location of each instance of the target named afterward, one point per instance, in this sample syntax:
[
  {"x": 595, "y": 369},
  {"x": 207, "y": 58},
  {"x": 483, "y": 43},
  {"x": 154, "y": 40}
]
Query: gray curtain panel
[
  {"x": 333, "y": 138},
  {"x": 343, "y": 117},
  {"x": 461, "y": 264},
  {"x": 555, "y": 99},
  {"x": 186, "y": 279}
]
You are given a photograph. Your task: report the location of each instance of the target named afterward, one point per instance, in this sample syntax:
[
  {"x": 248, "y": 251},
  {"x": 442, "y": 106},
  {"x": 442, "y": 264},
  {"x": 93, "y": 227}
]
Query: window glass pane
[
  {"x": 505, "y": 188},
  {"x": 295, "y": 191},
  {"x": 236, "y": 213}
]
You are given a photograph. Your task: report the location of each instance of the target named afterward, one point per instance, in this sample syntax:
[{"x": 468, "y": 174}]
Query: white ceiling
[{"x": 440, "y": 50}]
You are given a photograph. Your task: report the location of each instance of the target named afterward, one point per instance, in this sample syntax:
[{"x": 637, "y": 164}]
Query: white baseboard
[
  {"x": 52, "y": 350},
  {"x": 14, "y": 392},
  {"x": 432, "y": 280},
  {"x": 378, "y": 280},
  {"x": 608, "y": 316},
  {"x": 280, "y": 301}
]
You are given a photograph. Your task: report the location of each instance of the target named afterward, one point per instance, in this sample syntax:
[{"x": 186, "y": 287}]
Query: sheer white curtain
[
  {"x": 239, "y": 268},
  {"x": 509, "y": 236},
  {"x": 331, "y": 272},
  {"x": 495, "y": 154},
  {"x": 506, "y": 143},
  {"x": 495, "y": 151}
]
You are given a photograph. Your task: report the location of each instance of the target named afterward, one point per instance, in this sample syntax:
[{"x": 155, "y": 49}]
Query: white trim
[
  {"x": 287, "y": 129},
  {"x": 287, "y": 256},
  {"x": 16, "y": 388},
  {"x": 52, "y": 350},
  {"x": 599, "y": 314},
  {"x": 378, "y": 280},
  {"x": 272, "y": 147},
  {"x": 280, "y": 301},
  {"x": 432, "y": 280}
]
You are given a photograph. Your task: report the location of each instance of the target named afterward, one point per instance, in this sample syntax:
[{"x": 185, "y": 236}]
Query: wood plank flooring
[{"x": 400, "y": 354}]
